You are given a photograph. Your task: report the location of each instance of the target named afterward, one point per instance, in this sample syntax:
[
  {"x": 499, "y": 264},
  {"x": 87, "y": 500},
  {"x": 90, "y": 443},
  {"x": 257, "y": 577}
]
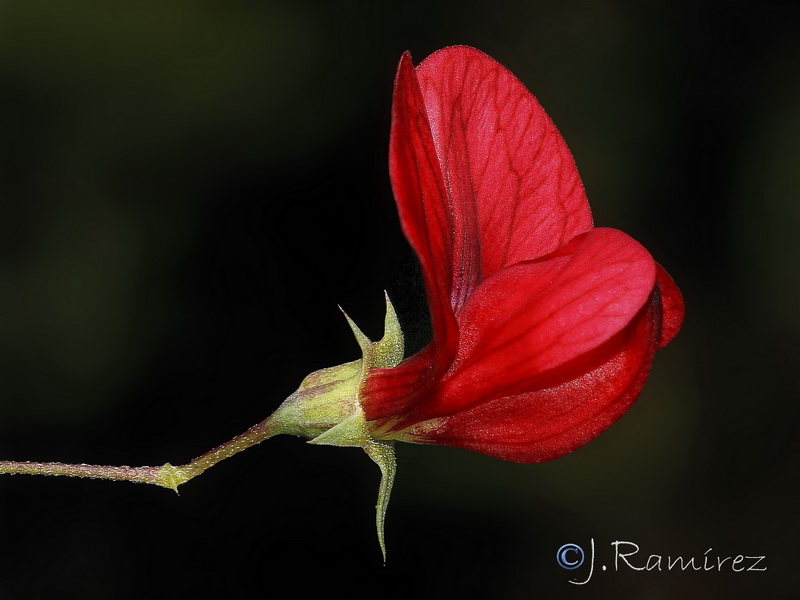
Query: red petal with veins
[
  {"x": 481, "y": 176},
  {"x": 529, "y": 326},
  {"x": 425, "y": 212},
  {"x": 544, "y": 424},
  {"x": 535, "y": 317},
  {"x": 506, "y": 168}
]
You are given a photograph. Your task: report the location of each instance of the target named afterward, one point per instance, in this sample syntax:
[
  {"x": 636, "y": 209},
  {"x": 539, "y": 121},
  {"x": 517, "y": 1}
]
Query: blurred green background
[{"x": 188, "y": 190}]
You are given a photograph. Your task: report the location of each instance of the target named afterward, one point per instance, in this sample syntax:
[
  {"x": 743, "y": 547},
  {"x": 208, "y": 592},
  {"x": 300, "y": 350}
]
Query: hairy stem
[{"x": 167, "y": 476}]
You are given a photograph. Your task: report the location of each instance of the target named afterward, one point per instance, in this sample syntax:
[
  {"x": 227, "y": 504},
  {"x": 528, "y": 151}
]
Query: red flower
[{"x": 544, "y": 327}]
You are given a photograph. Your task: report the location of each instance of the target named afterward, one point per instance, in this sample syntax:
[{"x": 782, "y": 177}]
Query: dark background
[{"x": 188, "y": 190}]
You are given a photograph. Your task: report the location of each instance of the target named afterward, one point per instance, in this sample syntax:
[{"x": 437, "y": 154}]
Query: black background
[{"x": 187, "y": 192}]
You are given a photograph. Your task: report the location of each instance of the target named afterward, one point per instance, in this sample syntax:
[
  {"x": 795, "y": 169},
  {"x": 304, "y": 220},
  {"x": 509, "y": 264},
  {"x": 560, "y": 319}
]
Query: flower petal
[
  {"x": 530, "y": 327},
  {"x": 530, "y": 321},
  {"x": 673, "y": 307},
  {"x": 503, "y": 161},
  {"x": 425, "y": 215},
  {"x": 389, "y": 394},
  {"x": 481, "y": 176},
  {"x": 542, "y": 425}
]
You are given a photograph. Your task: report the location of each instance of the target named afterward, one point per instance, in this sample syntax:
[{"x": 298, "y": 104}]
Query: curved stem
[{"x": 167, "y": 476}]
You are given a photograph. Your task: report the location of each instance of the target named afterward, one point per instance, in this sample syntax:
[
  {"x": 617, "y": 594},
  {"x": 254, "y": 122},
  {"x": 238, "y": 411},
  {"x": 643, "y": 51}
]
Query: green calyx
[{"x": 326, "y": 408}]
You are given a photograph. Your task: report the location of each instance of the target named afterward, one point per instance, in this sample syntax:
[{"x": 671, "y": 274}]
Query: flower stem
[{"x": 166, "y": 476}]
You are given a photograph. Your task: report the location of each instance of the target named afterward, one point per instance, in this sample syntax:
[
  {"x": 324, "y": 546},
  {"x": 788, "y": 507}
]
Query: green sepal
[
  {"x": 383, "y": 455},
  {"x": 326, "y": 408},
  {"x": 388, "y": 352}
]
